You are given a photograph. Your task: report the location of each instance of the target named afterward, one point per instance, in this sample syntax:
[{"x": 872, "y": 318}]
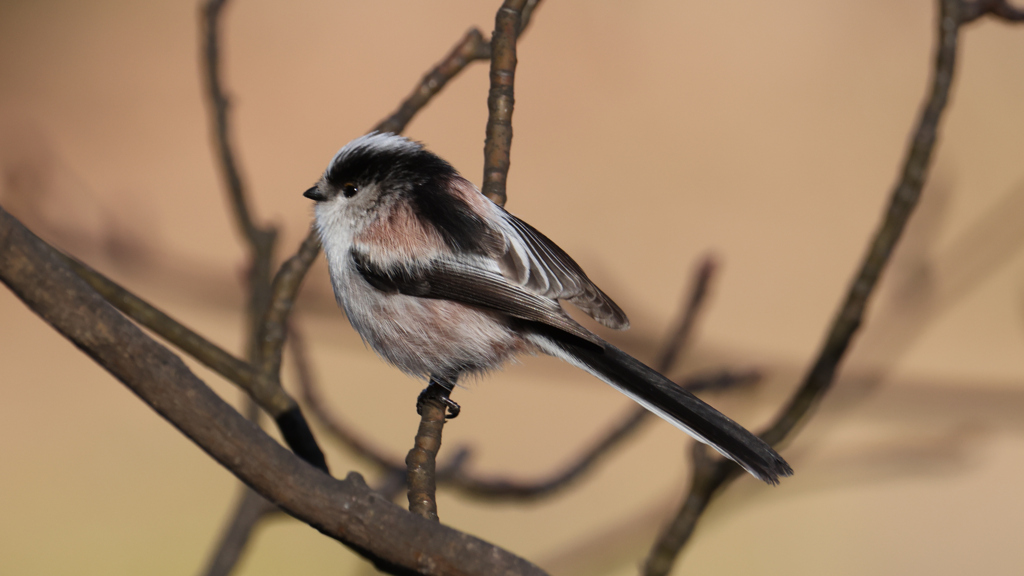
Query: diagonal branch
[
  {"x": 396, "y": 541},
  {"x": 270, "y": 397}
]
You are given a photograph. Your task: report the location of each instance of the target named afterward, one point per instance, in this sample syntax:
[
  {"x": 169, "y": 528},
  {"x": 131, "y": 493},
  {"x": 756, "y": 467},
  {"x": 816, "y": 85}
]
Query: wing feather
[
  {"x": 447, "y": 280},
  {"x": 552, "y": 273}
]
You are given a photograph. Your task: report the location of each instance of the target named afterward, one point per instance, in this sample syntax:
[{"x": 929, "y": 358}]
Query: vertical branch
[
  {"x": 259, "y": 240},
  {"x": 219, "y": 101},
  {"x": 501, "y": 100},
  {"x": 711, "y": 475},
  {"x": 422, "y": 459}
]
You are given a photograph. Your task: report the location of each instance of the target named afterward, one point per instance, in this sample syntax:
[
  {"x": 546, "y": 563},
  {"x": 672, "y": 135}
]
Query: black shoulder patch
[{"x": 460, "y": 227}]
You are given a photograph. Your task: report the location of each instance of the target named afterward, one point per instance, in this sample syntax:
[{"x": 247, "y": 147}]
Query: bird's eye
[{"x": 349, "y": 190}]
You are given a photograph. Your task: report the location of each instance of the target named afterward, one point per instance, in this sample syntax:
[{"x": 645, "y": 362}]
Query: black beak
[{"x": 314, "y": 193}]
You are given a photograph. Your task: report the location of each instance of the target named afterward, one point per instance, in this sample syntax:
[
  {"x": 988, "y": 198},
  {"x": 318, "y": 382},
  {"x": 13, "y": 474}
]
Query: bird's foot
[{"x": 440, "y": 391}]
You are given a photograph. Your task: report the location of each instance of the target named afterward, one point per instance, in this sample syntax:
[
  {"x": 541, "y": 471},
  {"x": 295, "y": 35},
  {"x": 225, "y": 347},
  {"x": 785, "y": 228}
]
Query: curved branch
[{"x": 711, "y": 475}]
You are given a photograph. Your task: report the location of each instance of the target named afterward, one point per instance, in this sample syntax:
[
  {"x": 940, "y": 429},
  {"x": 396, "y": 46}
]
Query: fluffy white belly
[{"x": 423, "y": 336}]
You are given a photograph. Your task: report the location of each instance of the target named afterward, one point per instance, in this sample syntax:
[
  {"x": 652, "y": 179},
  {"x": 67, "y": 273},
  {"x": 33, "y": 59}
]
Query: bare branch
[
  {"x": 422, "y": 458},
  {"x": 710, "y": 475},
  {"x": 501, "y": 100},
  {"x": 1002, "y": 9},
  {"x": 316, "y": 406},
  {"x": 688, "y": 316},
  {"x": 219, "y": 101},
  {"x": 471, "y": 47},
  {"x": 251, "y": 509},
  {"x": 287, "y": 281},
  {"x": 396, "y": 541},
  {"x": 268, "y": 395}
]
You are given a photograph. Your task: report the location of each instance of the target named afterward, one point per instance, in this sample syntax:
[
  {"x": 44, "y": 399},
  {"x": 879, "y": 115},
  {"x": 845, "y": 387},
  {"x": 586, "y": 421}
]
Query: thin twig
[
  {"x": 221, "y": 119},
  {"x": 316, "y": 406},
  {"x": 271, "y": 397},
  {"x": 287, "y": 281},
  {"x": 472, "y": 47},
  {"x": 971, "y": 11},
  {"x": 260, "y": 241},
  {"x": 251, "y": 509},
  {"x": 711, "y": 475},
  {"x": 396, "y": 541},
  {"x": 502, "y": 489},
  {"x": 688, "y": 316},
  {"x": 501, "y": 100}
]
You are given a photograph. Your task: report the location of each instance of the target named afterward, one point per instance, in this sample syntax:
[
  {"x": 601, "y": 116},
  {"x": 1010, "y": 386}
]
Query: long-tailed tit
[{"x": 442, "y": 282}]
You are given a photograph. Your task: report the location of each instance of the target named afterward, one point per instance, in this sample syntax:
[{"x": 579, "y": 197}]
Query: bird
[{"x": 443, "y": 283}]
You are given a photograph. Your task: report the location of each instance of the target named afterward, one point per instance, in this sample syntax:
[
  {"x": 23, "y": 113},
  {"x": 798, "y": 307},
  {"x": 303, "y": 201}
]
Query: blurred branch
[
  {"x": 287, "y": 281},
  {"x": 472, "y": 47},
  {"x": 501, "y": 100},
  {"x": 971, "y": 11},
  {"x": 711, "y": 475},
  {"x": 251, "y": 509},
  {"x": 395, "y": 541},
  {"x": 271, "y": 398},
  {"x": 260, "y": 240},
  {"x": 266, "y": 315},
  {"x": 316, "y": 406}
]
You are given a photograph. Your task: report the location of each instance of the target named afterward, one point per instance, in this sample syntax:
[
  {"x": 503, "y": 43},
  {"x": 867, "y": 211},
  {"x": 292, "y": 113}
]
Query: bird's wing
[
  {"x": 537, "y": 264},
  {"x": 471, "y": 284}
]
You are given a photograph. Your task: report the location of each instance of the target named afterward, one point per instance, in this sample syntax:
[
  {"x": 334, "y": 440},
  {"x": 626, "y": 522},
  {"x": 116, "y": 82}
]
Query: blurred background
[{"x": 647, "y": 134}]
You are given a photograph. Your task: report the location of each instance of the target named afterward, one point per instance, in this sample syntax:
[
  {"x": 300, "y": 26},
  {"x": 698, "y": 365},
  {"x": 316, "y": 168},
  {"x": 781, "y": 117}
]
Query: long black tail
[{"x": 670, "y": 401}]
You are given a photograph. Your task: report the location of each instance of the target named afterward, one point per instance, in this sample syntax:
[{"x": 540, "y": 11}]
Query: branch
[
  {"x": 711, "y": 475},
  {"x": 219, "y": 102},
  {"x": 264, "y": 389},
  {"x": 265, "y": 314},
  {"x": 472, "y": 47},
  {"x": 421, "y": 461},
  {"x": 251, "y": 509},
  {"x": 971, "y": 11},
  {"x": 501, "y": 100},
  {"x": 316, "y": 406},
  {"x": 394, "y": 540},
  {"x": 270, "y": 397}
]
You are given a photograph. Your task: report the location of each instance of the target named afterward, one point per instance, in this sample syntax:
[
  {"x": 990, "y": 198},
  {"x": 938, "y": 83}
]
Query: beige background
[{"x": 646, "y": 134}]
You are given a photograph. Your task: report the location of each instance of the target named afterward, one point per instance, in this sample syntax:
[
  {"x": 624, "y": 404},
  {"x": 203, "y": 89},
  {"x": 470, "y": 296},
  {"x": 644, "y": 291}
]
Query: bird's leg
[{"x": 439, "y": 389}]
